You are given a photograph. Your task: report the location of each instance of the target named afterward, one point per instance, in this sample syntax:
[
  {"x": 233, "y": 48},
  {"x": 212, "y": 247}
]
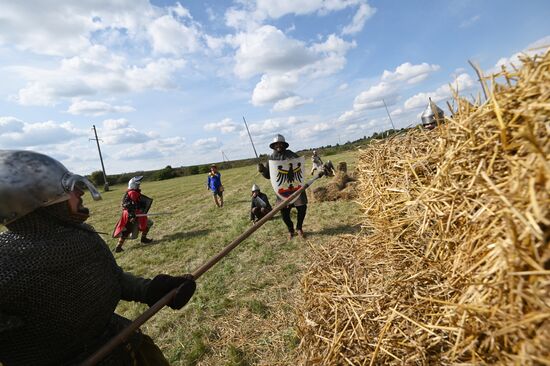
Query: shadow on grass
[
  {"x": 165, "y": 239},
  {"x": 336, "y": 230},
  {"x": 186, "y": 235}
]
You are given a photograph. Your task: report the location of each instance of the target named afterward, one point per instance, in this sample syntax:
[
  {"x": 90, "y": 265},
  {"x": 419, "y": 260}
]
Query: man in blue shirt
[{"x": 214, "y": 184}]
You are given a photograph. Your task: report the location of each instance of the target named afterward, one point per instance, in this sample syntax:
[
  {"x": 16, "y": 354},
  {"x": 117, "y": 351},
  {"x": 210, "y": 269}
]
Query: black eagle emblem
[{"x": 290, "y": 175}]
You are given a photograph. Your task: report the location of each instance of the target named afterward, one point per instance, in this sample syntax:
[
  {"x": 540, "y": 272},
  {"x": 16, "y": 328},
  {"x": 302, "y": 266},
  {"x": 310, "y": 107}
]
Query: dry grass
[
  {"x": 341, "y": 187},
  {"x": 453, "y": 265}
]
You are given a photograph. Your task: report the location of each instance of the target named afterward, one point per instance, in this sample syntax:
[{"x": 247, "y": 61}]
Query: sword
[
  {"x": 250, "y": 137},
  {"x": 156, "y": 307}
]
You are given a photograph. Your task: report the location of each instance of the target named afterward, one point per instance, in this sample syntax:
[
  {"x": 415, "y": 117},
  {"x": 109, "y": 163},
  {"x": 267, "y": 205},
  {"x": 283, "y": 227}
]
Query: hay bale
[
  {"x": 341, "y": 187},
  {"x": 454, "y": 263}
]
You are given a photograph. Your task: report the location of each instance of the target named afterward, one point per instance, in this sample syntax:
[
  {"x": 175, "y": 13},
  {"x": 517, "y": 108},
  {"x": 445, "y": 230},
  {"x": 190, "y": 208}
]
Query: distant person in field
[
  {"x": 259, "y": 206},
  {"x": 280, "y": 152},
  {"x": 214, "y": 184},
  {"x": 134, "y": 203},
  {"x": 59, "y": 282},
  {"x": 316, "y": 162}
]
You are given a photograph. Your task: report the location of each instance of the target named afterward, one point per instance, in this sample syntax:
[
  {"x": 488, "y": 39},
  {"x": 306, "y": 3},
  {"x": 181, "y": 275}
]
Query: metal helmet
[
  {"x": 29, "y": 180},
  {"x": 135, "y": 182},
  {"x": 255, "y": 187},
  {"x": 276, "y": 139},
  {"x": 431, "y": 114}
]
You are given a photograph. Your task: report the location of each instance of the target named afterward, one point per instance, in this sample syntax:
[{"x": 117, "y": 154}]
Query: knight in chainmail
[{"x": 59, "y": 282}]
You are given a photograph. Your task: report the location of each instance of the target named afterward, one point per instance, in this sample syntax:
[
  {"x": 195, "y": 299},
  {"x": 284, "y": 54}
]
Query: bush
[
  {"x": 163, "y": 174},
  {"x": 97, "y": 178},
  {"x": 194, "y": 170},
  {"x": 204, "y": 169}
]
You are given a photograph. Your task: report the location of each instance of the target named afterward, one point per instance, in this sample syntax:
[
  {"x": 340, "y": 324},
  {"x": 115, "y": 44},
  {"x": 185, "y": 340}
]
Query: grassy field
[{"x": 243, "y": 312}]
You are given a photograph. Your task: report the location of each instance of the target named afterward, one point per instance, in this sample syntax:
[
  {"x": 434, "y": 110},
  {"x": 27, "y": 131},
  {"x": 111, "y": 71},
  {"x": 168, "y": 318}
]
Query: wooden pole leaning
[{"x": 108, "y": 347}]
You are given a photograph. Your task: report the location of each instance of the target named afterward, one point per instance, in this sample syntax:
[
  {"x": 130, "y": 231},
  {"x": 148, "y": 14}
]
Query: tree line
[{"x": 170, "y": 172}]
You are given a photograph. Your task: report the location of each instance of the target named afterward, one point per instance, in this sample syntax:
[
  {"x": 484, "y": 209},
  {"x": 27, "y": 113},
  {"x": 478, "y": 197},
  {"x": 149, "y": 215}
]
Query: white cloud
[
  {"x": 462, "y": 83},
  {"x": 267, "y": 49},
  {"x": 409, "y": 73},
  {"x": 119, "y": 131},
  {"x": 64, "y": 27},
  {"x": 470, "y": 21},
  {"x": 314, "y": 130},
  {"x": 250, "y": 15},
  {"x": 94, "y": 71},
  {"x": 18, "y": 134},
  {"x": 351, "y": 116},
  {"x": 334, "y": 44},
  {"x": 272, "y": 88},
  {"x": 343, "y": 86},
  {"x": 180, "y": 11},
  {"x": 208, "y": 143},
  {"x": 10, "y": 125},
  {"x": 388, "y": 90},
  {"x": 153, "y": 149},
  {"x": 224, "y": 126},
  {"x": 364, "y": 12},
  {"x": 372, "y": 97},
  {"x": 536, "y": 48},
  {"x": 96, "y": 108},
  {"x": 277, "y": 9},
  {"x": 284, "y": 69},
  {"x": 170, "y": 36},
  {"x": 290, "y": 103},
  {"x": 215, "y": 43},
  {"x": 263, "y": 132},
  {"x": 115, "y": 124}
]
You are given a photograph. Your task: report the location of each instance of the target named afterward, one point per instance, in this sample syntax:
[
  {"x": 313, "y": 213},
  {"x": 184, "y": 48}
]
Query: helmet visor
[{"x": 71, "y": 180}]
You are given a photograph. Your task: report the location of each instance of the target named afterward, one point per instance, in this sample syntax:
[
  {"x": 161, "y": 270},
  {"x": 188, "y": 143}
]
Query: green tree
[{"x": 97, "y": 178}]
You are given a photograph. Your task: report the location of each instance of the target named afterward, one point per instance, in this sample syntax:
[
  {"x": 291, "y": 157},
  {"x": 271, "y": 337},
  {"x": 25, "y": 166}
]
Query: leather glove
[
  {"x": 261, "y": 167},
  {"x": 163, "y": 284}
]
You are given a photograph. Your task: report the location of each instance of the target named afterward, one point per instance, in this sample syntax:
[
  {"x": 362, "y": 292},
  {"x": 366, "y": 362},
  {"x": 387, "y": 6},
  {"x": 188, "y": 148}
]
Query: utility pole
[
  {"x": 388, "y": 112},
  {"x": 224, "y": 155},
  {"x": 106, "y": 185}
]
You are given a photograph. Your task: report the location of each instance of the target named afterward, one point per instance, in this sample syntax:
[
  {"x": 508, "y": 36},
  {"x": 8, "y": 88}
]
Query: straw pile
[
  {"x": 341, "y": 187},
  {"x": 453, "y": 265}
]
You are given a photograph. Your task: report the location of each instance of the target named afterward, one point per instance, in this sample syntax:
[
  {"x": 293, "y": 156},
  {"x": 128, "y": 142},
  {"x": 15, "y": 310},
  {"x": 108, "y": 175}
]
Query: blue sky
[{"x": 167, "y": 83}]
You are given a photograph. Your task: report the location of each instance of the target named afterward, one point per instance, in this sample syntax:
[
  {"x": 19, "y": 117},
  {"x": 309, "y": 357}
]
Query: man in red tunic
[{"x": 134, "y": 205}]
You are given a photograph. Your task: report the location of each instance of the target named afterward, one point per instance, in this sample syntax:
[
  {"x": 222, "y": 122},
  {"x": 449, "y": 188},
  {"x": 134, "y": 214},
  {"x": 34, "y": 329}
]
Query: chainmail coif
[{"x": 59, "y": 286}]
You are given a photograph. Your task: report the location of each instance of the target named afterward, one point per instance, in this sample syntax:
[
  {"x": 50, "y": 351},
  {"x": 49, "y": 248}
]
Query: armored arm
[
  {"x": 150, "y": 291},
  {"x": 264, "y": 197},
  {"x": 263, "y": 170},
  {"x": 133, "y": 287}
]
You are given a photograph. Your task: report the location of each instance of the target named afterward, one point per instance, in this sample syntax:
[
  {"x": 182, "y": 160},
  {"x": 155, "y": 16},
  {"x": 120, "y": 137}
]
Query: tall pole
[
  {"x": 250, "y": 137},
  {"x": 226, "y": 157},
  {"x": 388, "y": 112},
  {"x": 106, "y": 185}
]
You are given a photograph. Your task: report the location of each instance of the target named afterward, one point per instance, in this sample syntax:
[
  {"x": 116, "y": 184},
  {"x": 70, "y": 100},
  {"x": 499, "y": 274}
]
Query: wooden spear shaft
[{"x": 147, "y": 314}]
